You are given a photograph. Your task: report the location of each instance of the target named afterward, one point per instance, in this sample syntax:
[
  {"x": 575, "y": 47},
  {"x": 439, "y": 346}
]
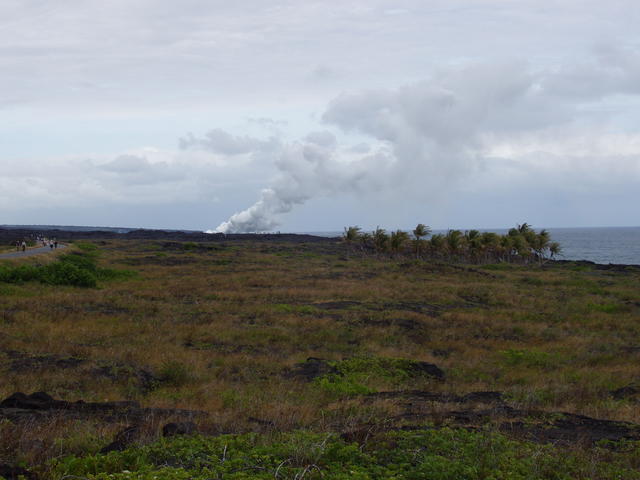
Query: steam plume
[{"x": 425, "y": 136}]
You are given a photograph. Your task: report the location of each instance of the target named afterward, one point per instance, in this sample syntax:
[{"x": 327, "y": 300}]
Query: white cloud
[
  {"x": 503, "y": 119},
  {"x": 426, "y": 96}
]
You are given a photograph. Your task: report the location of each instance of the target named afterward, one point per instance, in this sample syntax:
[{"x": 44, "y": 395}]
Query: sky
[{"x": 311, "y": 116}]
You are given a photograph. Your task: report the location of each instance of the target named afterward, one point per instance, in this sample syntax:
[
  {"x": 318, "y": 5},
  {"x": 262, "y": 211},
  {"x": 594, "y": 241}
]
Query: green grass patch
[
  {"x": 530, "y": 358},
  {"x": 445, "y": 454},
  {"x": 607, "y": 307},
  {"x": 288, "y": 308},
  {"x": 78, "y": 269},
  {"x": 362, "y": 374}
]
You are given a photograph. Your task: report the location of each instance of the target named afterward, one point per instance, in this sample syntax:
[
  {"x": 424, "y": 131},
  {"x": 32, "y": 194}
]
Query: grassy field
[{"x": 226, "y": 328}]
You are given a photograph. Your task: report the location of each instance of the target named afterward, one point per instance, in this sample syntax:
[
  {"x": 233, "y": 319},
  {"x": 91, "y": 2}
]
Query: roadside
[{"x": 29, "y": 252}]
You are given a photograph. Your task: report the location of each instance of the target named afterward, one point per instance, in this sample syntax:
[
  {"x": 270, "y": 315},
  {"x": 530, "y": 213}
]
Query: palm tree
[
  {"x": 506, "y": 246},
  {"x": 438, "y": 243},
  {"x": 490, "y": 245},
  {"x": 554, "y": 249},
  {"x": 474, "y": 242},
  {"x": 351, "y": 234},
  {"x": 398, "y": 240},
  {"x": 380, "y": 239},
  {"x": 524, "y": 228},
  {"x": 541, "y": 243},
  {"x": 420, "y": 231},
  {"x": 455, "y": 241},
  {"x": 521, "y": 246},
  {"x": 365, "y": 241}
]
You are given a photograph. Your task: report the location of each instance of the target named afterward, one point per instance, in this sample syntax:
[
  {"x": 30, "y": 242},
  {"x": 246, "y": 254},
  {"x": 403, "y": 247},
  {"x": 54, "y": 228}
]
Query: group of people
[{"x": 51, "y": 242}]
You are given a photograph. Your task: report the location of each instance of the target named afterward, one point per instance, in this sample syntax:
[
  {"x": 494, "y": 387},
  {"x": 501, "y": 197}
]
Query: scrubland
[{"x": 226, "y": 328}]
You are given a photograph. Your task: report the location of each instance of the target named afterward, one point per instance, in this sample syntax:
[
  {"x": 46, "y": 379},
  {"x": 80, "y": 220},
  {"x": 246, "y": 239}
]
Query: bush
[
  {"x": 74, "y": 269},
  {"x": 68, "y": 273}
]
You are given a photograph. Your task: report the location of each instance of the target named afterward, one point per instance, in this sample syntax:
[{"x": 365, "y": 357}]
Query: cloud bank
[{"x": 431, "y": 134}]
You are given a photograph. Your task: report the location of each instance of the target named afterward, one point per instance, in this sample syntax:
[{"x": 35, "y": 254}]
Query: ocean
[
  {"x": 600, "y": 245},
  {"x": 596, "y": 244}
]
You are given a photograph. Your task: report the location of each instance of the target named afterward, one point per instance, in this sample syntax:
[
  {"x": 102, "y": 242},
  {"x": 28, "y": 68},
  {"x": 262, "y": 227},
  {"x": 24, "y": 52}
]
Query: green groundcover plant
[
  {"x": 442, "y": 454},
  {"x": 354, "y": 376}
]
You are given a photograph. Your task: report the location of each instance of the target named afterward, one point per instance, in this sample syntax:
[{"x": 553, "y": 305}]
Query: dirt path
[{"x": 30, "y": 252}]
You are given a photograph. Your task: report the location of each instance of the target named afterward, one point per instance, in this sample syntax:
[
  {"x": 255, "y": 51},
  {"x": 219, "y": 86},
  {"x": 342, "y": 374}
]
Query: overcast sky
[{"x": 313, "y": 115}]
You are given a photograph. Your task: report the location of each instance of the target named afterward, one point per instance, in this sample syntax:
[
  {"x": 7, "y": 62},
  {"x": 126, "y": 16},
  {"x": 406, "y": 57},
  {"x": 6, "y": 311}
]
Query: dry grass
[{"x": 217, "y": 324}]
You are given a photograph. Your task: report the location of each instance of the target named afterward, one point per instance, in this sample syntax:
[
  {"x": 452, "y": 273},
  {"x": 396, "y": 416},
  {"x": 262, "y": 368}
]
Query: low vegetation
[
  {"x": 77, "y": 269},
  {"x": 318, "y": 360},
  {"x": 423, "y": 454}
]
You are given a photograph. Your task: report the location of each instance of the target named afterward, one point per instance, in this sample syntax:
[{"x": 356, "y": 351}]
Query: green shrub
[
  {"x": 65, "y": 272},
  {"x": 443, "y": 454},
  {"x": 78, "y": 269}
]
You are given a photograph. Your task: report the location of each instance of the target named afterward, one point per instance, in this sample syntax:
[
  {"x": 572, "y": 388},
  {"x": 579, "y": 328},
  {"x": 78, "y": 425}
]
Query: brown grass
[{"x": 222, "y": 322}]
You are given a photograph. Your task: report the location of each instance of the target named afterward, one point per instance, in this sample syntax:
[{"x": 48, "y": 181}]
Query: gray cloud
[
  {"x": 220, "y": 141},
  {"x": 322, "y": 138},
  {"x": 138, "y": 170},
  {"x": 612, "y": 70},
  {"x": 144, "y": 70},
  {"x": 438, "y": 132}
]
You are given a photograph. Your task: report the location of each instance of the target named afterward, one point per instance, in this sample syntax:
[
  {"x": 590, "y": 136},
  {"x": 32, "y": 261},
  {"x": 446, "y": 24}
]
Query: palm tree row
[{"x": 521, "y": 244}]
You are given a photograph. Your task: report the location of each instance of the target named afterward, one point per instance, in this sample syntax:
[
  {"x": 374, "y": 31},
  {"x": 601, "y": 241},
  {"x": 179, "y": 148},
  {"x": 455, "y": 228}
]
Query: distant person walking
[
  {"x": 55, "y": 243},
  {"x": 24, "y": 245}
]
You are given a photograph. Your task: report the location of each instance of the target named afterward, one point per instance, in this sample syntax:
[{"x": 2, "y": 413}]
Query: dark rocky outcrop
[
  {"x": 22, "y": 407},
  {"x": 178, "y": 428},
  {"x": 43, "y": 401},
  {"x": 123, "y": 439},
  {"x": 14, "y": 473},
  {"x": 477, "y": 409},
  {"x": 22, "y": 362},
  {"x": 310, "y": 369},
  {"x": 486, "y": 397},
  {"x": 628, "y": 392},
  {"x": 416, "y": 369}
]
